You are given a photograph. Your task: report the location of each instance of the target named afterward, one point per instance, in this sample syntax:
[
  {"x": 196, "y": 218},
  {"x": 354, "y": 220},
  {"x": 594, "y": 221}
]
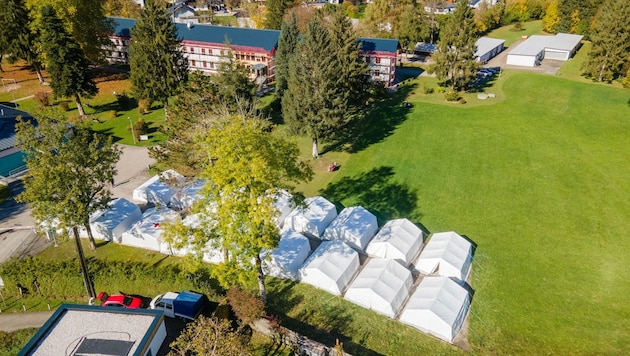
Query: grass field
[{"x": 511, "y": 35}]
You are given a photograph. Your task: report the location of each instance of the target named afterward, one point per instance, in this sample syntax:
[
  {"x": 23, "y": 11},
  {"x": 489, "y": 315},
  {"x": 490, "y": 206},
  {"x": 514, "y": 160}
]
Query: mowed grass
[
  {"x": 511, "y": 35},
  {"x": 539, "y": 182}
]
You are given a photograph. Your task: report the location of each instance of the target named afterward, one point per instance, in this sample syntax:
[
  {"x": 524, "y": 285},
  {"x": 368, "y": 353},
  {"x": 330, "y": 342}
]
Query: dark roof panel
[{"x": 378, "y": 45}]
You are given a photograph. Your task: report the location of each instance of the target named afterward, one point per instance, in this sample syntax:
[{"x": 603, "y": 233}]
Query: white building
[
  {"x": 488, "y": 48},
  {"x": 536, "y": 48}
]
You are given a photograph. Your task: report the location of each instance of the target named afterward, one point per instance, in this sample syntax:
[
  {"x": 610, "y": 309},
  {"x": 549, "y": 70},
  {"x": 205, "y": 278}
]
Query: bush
[
  {"x": 452, "y": 96},
  {"x": 427, "y": 89},
  {"x": 43, "y": 98},
  {"x": 113, "y": 114},
  {"x": 247, "y": 307},
  {"x": 144, "y": 106},
  {"x": 64, "y": 106},
  {"x": 461, "y": 101}
]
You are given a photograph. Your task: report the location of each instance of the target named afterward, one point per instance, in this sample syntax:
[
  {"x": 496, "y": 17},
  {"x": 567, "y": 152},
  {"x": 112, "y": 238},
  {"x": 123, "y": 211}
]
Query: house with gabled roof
[{"x": 381, "y": 55}]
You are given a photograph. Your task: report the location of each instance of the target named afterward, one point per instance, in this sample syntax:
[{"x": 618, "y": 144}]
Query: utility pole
[
  {"x": 133, "y": 135},
  {"x": 89, "y": 287}
]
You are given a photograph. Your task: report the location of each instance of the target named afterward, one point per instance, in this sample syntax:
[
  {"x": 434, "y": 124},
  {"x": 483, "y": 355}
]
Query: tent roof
[
  {"x": 332, "y": 261},
  {"x": 447, "y": 251},
  {"x": 118, "y": 210},
  {"x": 354, "y": 225},
  {"x": 444, "y": 299},
  {"x": 152, "y": 219},
  {"x": 398, "y": 239},
  {"x": 293, "y": 248},
  {"x": 312, "y": 218},
  {"x": 382, "y": 285}
]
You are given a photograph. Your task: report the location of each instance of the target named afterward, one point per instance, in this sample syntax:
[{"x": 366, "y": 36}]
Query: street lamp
[{"x": 133, "y": 135}]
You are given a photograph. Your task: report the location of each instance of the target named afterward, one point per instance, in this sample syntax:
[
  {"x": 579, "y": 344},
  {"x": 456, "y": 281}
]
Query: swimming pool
[{"x": 11, "y": 162}]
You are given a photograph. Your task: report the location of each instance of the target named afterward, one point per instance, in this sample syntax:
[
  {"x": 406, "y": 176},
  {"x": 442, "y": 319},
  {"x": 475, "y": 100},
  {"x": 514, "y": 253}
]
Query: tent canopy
[
  {"x": 312, "y": 219},
  {"x": 159, "y": 189},
  {"x": 185, "y": 197},
  {"x": 447, "y": 254},
  {"x": 286, "y": 259},
  {"x": 438, "y": 307},
  {"x": 382, "y": 285},
  {"x": 331, "y": 267},
  {"x": 147, "y": 232},
  {"x": 398, "y": 239},
  {"x": 284, "y": 204},
  {"x": 355, "y": 226},
  {"x": 109, "y": 224}
]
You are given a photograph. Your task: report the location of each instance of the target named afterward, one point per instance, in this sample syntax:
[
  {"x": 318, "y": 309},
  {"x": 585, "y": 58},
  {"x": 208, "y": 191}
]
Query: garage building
[
  {"x": 534, "y": 49},
  {"x": 488, "y": 48}
]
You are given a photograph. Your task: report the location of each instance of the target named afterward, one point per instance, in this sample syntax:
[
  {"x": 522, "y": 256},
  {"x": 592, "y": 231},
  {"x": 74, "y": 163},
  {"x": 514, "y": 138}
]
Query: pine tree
[
  {"x": 68, "y": 174},
  {"x": 611, "y": 42},
  {"x": 275, "y": 12},
  {"x": 455, "y": 61},
  {"x": 65, "y": 61},
  {"x": 576, "y": 16},
  {"x": 286, "y": 48},
  {"x": 156, "y": 62},
  {"x": 19, "y": 41},
  {"x": 409, "y": 27}
]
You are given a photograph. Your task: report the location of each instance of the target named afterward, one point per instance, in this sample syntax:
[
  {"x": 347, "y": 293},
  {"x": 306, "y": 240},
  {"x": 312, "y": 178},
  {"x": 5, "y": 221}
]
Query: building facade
[{"x": 381, "y": 55}]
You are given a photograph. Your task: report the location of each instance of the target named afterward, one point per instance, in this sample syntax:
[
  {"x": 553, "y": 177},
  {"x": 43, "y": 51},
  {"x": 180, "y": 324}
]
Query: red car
[{"x": 119, "y": 300}]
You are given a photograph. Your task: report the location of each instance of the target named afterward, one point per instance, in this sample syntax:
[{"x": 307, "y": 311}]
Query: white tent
[
  {"x": 284, "y": 204},
  {"x": 211, "y": 254},
  {"x": 447, "y": 254},
  {"x": 187, "y": 196},
  {"x": 312, "y": 219},
  {"x": 438, "y": 307},
  {"x": 109, "y": 224},
  {"x": 382, "y": 285},
  {"x": 398, "y": 239},
  {"x": 354, "y": 226},
  {"x": 331, "y": 267},
  {"x": 286, "y": 259},
  {"x": 147, "y": 232},
  {"x": 159, "y": 189}
]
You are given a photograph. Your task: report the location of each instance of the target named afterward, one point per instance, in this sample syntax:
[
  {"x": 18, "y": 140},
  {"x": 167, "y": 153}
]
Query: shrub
[
  {"x": 441, "y": 90},
  {"x": 461, "y": 101},
  {"x": 452, "y": 96},
  {"x": 427, "y": 89},
  {"x": 113, "y": 114},
  {"x": 64, "y": 106},
  {"x": 43, "y": 98},
  {"x": 247, "y": 307},
  {"x": 144, "y": 106}
]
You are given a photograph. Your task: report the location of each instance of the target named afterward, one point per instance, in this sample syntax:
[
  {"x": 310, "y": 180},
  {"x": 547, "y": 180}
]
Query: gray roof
[
  {"x": 487, "y": 44},
  {"x": 536, "y": 44}
]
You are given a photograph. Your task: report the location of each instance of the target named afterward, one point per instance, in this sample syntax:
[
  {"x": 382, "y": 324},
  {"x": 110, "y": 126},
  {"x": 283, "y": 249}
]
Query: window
[
  {"x": 192, "y": 63},
  {"x": 378, "y": 60},
  {"x": 367, "y": 59},
  {"x": 211, "y": 65},
  {"x": 204, "y": 64},
  {"x": 203, "y": 51},
  {"x": 377, "y": 73}
]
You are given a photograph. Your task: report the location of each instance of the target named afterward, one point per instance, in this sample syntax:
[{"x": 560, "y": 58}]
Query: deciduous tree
[
  {"x": 275, "y": 12},
  {"x": 69, "y": 171},
  {"x": 455, "y": 61},
  {"x": 552, "y": 17},
  {"x": 209, "y": 336},
  {"x": 156, "y": 61},
  {"x": 65, "y": 62},
  {"x": 611, "y": 42}
]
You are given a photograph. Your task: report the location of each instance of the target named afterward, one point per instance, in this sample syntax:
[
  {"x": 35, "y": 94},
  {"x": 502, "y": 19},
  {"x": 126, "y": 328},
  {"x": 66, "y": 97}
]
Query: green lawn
[{"x": 510, "y": 35}]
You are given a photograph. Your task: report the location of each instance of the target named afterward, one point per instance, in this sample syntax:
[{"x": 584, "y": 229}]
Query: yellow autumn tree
[{"x": 552, "y": 17}]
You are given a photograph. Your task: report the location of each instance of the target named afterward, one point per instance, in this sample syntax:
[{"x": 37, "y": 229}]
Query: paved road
[{"x": 15, "y": 321}]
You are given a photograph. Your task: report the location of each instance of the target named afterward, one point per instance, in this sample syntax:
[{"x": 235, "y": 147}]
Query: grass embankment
[{"x": 511, "y": 34}]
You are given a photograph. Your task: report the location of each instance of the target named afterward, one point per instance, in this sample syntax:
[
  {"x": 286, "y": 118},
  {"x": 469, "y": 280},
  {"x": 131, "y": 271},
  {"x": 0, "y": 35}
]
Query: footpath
[{"x": 10, "y": 322}]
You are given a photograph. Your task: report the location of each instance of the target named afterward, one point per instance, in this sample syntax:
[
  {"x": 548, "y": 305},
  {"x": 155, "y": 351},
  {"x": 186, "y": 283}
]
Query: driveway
[{"x": 10, "y": 322}]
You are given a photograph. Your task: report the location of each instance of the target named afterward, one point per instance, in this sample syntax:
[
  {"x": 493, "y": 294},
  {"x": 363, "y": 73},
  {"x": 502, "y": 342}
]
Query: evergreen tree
[
  {"x": 15, "y": 33},
  {"x": 156, "y": 62},
  {"x": 327, "y": 81},
  {"x": 611, "y": 42},
  {"x": 68, "y": 174},
  {"x": 275, "y": 12},
  {"x": 576, "y": 16},
  {"x": 455, "y": 61},
  {"x": 287, "y": 44},
  {"x": 67, "y": 66},
  {"x": 409, "y": 27}
]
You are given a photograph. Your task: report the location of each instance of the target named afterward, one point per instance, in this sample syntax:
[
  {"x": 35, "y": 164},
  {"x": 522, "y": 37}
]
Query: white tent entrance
[
  {"x": 398, "y": 239},
  {"x": 446, "y": 254}
]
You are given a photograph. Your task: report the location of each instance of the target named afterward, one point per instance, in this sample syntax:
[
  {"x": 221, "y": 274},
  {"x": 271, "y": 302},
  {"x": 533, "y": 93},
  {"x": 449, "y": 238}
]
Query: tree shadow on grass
[
  {"x": 380, "y": 121},
  {"x": 375, "y": 191},
  {"x": 109, "y": 132}
]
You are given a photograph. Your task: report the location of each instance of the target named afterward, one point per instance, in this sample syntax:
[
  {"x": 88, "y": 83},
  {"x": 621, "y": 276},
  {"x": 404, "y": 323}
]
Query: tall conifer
[{"x": 286, "y": 48}]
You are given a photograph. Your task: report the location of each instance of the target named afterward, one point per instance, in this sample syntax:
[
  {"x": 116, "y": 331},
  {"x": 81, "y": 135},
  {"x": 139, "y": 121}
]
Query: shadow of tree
[
  {"x": 379, "y": 121},
  {"x": 375, "y": 191}
]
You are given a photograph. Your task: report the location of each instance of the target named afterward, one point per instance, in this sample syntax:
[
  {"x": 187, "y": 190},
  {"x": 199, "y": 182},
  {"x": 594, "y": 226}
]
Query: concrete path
[
  {"x": 133, "y": 170},
  {"x": 15, "y": 321}
]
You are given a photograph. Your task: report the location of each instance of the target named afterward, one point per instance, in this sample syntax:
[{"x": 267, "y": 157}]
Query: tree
[
  {"x": 275, "y": 12},
  {"x": 69, "y": 170},
  {"x": 409, "y": 27},
  {"x": 123, "y": 8},
  {"x": 576, "y": 16},
  {"x": 84, "y": 20},
  {"x": 287, "y": 43},
  {"x": 247, "y": 164},
  {"x": 552, "y": 17},
  {"x": 155, "y": 59},
  {"x": 209, "y": 336},
  {"x": 67, "y": 66},
  {"x": 327, "y": 81},
  {"x": 20, "y": 42},
  {"x": 455, "y": 61},
  {"x": 611, "y": 42}
]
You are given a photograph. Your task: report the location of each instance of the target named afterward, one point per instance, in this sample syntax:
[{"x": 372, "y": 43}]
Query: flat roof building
[
  {"x": 531, "y": 51},
  {"x": 96, "y": 330},
  {"x": 488, "y": 47}
]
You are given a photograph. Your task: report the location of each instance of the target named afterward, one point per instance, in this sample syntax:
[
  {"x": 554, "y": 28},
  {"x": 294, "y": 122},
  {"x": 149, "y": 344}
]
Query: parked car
[{"x": 119, "y": 300}]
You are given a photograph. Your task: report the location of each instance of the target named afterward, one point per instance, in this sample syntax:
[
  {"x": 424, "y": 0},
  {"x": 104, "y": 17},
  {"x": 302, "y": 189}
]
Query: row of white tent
[{"x": 384, "y": 284}]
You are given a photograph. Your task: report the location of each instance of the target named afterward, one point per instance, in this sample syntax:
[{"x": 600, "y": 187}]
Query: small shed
[
  {"x": 111, "y": 223},
  {"x": 331, "y": 267},
  {"x": 488, "y": 48},
  {"x": 159, "y": 189},
  {"x": 288, "y": 257},
  {"x": 383, "y": 285},
  {"x": 446, "y": 254},
  {"x": 312, "y": 218},
  {"x": 438, "y": 306},
  {"x": 398, "y": 239},
  {"x": 355, "y": 226},
  {"x": 147, "y": 232}
]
